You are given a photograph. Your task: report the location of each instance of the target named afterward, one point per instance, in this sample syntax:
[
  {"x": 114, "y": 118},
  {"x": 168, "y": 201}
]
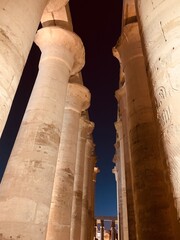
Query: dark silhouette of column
[
  {"x": 113, "y": 230},
  {"x": 102, "y": 230}
]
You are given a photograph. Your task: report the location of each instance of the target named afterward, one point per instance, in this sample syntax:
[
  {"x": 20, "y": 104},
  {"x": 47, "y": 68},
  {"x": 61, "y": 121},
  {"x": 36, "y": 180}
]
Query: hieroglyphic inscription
[
  {"x": 165, "y": 116},
  {"x": 164, "y": 110},
  {"x": 161, "y": 95}
]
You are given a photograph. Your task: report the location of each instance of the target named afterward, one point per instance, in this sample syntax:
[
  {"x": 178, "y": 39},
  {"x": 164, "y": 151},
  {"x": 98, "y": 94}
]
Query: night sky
[{"x": 98, "y": 24}]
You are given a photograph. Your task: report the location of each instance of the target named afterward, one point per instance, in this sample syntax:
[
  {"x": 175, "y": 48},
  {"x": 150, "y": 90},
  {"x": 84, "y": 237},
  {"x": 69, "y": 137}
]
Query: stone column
[
  {"x": 115, "y": 171},
  {"x": 26, "y": 187},
  {"x": 113, "y": 230},
  {"x": 122, "y": 129},
  {"x": 150, "y": 191},
  {"x": 102, "y": 230},
  {"x": 85, "y": 127},
  {"x": 121, "y": 165},
  {"x": 162, "y": 51},
  {"x": 77, "y": 100},
  {"x": 92, "y": 163},
  {"x": 95, "y": 229},
  {"x": 95, "y": 172},
  {"x": 19, "y": 21},
  {"x": 84, "y": 218}
]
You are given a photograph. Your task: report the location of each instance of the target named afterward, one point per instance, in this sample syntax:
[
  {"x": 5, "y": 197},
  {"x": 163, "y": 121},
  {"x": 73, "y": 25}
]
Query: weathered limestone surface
[
  {"x": 151, "y": 194},
  {"x": 84, "y": 128},
  {"x": 96, "y": 171},
  {"x": 124, "y": 153},
  {"x": 84, "y": 218},
  {"x": 92, "y": 162},
  {"x": 120, "y": 172},
  {"x": 77, "y": 100},
  {"x": 57, "y": 13},
  {"x": 19, "y": 21},
  {"x": 162, "y": 51},
  {"x": 25, "y": 193},
  {"x": 119, "y": 205}
]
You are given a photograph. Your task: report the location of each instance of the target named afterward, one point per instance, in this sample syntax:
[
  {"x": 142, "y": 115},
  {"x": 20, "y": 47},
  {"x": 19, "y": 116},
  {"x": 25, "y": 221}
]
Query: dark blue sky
[{"x": 98, "y": 24}]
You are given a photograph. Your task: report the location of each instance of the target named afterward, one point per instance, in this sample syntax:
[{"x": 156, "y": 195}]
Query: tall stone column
[
  {"x": 151, "y": 193},
  {"x": 95, "y": 229},
  {"x": 19, "y": 21},
  {"x": 84, "y": 218},
  {"x": 115, "y": 171},
  {"x": 162, "y": 51},
  {"x": 92, "y": 163},
  {"x": 56, "y": 15},
  {"x": 102, "y": 230},
  {"x": 113, "y": 230},
  {"x": 95, "y": 172},
  {"x": 25, "y": 192},
  {"x": 77, "y": 100},
  {"x": 122, "y": 129},
  {"x": 121, "y": 172},
  {"x": 85, "y": 128}
]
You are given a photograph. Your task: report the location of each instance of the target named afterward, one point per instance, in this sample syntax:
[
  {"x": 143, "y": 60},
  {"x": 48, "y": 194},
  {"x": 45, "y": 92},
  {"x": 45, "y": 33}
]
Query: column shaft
[
  {"x": 125, "y": 167},
  {"x": 77, "y": 99},
  {"x": 162, "y": 51},
  {"x": 16, "y": 38},
  {"x": 150, "y": 189},
  {"x": 85, "y": 128},
  {"x": 26, "y": 187},
  {"x": 121, "y": 164},
  {"x": 90, "y": 197},
  {"x": 84, "y": 218}
]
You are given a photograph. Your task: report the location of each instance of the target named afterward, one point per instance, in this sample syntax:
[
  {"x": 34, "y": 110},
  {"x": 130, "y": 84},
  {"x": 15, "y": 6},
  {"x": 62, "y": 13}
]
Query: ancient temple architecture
[
  {"x": 147, "y": 155},
  {"x": 47, "y": 191}
]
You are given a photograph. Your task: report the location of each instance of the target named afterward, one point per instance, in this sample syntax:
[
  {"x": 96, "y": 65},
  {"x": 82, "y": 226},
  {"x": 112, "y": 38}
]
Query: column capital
[
  {"x": 76, "y": 78},
  {"x": 95, "y": 172},
  {"x": 90, "y": 146},
  {"x": 119, "y": 93},
  {"x": 63, "y": 45},
  {"x": 116, "y": 157},
  {"x": 55, "y": 5},
  {"x": 119, "y": 128},
  {"x": 78, "y": 97},
  {"x": 117, "y": 145},
  {"x": 116, "y": 53},
  {"x": 118, "y": 125},
  {"x": 86, "y": 127},
  {"x": 57, "y": 13},
  {"x": 128, "y": 46},
  {"x": 90, "y": 130},
  {"x": 114, "y": 170}
]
